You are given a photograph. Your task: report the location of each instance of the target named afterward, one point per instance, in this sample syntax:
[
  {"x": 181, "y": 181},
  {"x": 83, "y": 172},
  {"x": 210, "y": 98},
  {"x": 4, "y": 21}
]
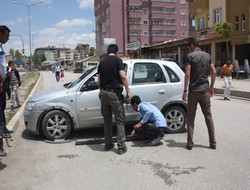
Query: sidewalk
[{"x": 240, "y": 87}]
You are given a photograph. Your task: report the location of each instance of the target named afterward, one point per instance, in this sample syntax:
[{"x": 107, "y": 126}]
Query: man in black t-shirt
[{"x": 111, "y": 79}]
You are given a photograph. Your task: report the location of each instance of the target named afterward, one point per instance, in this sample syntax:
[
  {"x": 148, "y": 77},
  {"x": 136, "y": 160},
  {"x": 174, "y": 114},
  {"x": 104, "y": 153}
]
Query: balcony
[{"x": 208, "y": 33}]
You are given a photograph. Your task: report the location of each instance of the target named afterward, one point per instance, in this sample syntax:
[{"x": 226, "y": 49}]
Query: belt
[{"x": 109, "y": 90}]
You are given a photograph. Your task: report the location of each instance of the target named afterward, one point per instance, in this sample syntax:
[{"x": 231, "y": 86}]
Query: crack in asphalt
[
  {"x": 165, "y": 171},
  {"x": 69, "y": 156}
]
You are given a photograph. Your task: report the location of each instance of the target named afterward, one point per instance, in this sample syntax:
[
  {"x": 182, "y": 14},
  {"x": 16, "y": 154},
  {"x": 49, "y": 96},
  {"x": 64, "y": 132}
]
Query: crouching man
[{"x": 152, "y": 124}]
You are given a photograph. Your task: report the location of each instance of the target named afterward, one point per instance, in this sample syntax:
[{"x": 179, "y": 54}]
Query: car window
[
  {"x": 79, "y": 79},
  {"x": 172, "y": 75},
  {"x": 147, "y": 73}
]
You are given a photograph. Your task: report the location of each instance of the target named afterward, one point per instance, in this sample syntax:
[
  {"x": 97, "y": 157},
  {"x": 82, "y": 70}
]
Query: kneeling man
[{"x": 152, "y": 124}]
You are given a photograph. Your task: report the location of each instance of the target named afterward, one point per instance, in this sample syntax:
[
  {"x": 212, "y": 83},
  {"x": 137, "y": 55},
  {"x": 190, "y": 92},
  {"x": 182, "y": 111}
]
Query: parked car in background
[{"x": 58, "y": 111}]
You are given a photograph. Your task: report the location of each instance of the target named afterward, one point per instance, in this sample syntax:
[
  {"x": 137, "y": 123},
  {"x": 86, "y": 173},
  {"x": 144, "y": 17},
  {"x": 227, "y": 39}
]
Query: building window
[
  {"x": 183, "y": 12},
  {"x": 145, "y": 33},
  {"x": 145, "y": 22},
  {"x": 145, "y": 11},
  {"x": 183, "y": 23},
  {"x": 201, "y": 23},
  {"x": 183, "y": 1},
  {"x": 243, "y": 20},
  {"x": 236, "y": 23},
  {"x": 183, "y": 34},
  {"x": 217, "y": 15}
]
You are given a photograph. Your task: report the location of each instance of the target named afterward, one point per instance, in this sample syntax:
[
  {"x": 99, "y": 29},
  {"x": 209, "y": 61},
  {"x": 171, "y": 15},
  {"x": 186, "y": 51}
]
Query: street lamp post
[{"x": 29, "y": 5}]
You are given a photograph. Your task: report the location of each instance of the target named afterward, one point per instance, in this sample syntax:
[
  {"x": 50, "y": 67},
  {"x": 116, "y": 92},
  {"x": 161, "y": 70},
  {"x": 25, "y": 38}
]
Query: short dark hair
[
  {"x": 193, "y": 41},
  {"x": 10, "y": 62},
  {"x": 4, "y": 29},
  {"x": 113, "y": 48},
  {"x": 135, "y": 100}
]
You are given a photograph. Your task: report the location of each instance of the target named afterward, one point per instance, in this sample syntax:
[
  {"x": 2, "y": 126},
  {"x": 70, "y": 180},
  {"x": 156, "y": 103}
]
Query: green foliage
[
  {"x": 18, "y": 55},
  {"x": 224, "y": 29},
  {"x": 38, "y": 58},
  {"x": 12, "y": 52}
]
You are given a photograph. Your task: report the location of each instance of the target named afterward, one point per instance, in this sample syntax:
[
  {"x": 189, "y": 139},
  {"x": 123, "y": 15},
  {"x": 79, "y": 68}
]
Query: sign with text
[
  {"x": 132, "y": 46},
  {"x": 108, "y": 41}
]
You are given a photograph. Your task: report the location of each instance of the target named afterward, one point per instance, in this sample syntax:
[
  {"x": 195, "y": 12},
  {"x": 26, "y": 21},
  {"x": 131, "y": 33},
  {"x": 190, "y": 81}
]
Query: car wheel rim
[
  {"x": 57, "y": 126},
  {"x": 175, "y": 120}
]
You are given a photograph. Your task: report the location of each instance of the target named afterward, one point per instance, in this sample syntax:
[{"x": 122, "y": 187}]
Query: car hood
[{"x": 49, "y": 93}]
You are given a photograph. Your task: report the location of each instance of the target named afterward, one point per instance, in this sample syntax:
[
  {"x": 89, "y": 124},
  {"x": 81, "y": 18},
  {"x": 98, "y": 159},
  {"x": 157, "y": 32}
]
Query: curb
[
  {"x": 14, "y": 122},
  {"x": 235, "y": 93}
]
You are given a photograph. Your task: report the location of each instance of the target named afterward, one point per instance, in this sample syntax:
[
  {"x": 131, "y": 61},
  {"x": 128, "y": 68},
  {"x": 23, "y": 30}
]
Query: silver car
[{"x": 58, "y": 111}]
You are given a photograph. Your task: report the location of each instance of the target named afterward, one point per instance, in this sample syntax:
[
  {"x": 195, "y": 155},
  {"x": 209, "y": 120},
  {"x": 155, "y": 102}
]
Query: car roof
[{"x": 164, "y": 62}]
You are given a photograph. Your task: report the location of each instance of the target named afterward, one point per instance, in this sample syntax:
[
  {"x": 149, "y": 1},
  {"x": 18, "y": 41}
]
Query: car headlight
[{"x": 29, "y": 106}]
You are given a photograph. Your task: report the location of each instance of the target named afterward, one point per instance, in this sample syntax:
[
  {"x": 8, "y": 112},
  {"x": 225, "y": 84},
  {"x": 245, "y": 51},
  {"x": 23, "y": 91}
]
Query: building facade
[
  {"x": 134, "y": 24},
  {"x": 208, "y": 13}
]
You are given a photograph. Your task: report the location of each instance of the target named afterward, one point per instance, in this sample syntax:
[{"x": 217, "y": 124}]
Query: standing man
[
  {"x": 57, "y": 72},
  {"x": 111, "y": 79},
  {"x": 14, "y": 80},
  {"x": 199, "y": 65},
  {"x": 226, "y": 71},
  {"x": 152, "y": 123},
  {"x": 4, "y": 37}
]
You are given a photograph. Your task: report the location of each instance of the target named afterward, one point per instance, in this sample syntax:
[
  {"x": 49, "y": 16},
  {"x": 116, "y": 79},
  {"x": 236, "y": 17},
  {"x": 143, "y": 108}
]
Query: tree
[
  {"x": 38, "y": 58},
  {"x": 18, "y": 55},
  {"x": 224, "y": 29},
  {"x": 12, "y": 52}
]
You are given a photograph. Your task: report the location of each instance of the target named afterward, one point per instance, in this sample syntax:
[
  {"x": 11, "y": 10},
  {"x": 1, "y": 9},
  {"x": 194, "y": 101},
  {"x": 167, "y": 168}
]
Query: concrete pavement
[{"x": 240, "y": 88}]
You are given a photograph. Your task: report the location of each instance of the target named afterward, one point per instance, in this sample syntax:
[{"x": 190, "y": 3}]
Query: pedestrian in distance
[
  {"x": 111, "y": 79},
  {"x": 226, "y": 71},
  {"x": 57, "y": 71},
  {"x": 62, "y": 74},
  {"x": 4, "y": 132},
  {"x": 152, "y": 124},
  {"x": 199, "y": 66},
  {"x": 14, "y": 81}
]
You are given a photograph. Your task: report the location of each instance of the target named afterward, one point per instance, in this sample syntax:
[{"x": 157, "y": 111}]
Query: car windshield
[{"x": 79, "y": 79}]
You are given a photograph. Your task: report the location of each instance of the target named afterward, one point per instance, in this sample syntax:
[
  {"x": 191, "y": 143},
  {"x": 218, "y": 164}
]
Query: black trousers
[
  {"x": 2, "y": 116},
  {"x": 150, "y": 131}
]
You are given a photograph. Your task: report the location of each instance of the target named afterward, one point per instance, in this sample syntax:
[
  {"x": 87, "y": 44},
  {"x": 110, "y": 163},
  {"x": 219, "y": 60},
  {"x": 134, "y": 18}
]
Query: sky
[{"x": 59, "y": 23}]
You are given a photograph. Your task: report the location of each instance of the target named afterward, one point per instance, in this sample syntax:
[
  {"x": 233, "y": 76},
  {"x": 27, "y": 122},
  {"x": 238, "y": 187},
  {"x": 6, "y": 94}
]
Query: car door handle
[{"x": 161, "y": 91}]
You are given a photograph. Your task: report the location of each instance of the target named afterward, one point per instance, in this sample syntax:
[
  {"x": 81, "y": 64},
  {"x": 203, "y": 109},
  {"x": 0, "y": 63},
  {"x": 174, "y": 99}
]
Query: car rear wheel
[
  {"x": 56, "y": 125},
  {"x": 176, "y": 119}
]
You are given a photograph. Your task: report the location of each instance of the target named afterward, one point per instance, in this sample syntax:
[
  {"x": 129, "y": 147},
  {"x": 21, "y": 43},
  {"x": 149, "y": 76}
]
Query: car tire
[
  {"x": 176, "y": 119},
  {"x": 56, "y": 125}
]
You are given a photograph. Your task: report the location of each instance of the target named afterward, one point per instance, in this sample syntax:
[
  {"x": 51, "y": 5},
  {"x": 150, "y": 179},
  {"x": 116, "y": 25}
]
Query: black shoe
[
  {"x": 122, "y": 150},
  {"x": 2, "y": 153},
  {"x": 8, "y": 131},
  {"x": 154, "y": 142},
  {"x": 228, "y": 99},
  {"x": 6, "y": 135},
  {"x": 212, "y": 146},
  {"x": 108, "y": 147},
  {"x": 225, "y": 98},
  {"x": 189, "y": 147}
]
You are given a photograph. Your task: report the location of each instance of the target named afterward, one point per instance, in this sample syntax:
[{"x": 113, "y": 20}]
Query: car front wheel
[
  {"x": 176, "y": 118},
  {"x": 56, "y": 125}
]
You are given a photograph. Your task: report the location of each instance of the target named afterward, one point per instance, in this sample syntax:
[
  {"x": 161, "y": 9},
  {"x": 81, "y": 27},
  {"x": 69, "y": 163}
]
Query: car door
[
  {"x": 88, "y": 104},
  {"x": 150, "y": 81}
]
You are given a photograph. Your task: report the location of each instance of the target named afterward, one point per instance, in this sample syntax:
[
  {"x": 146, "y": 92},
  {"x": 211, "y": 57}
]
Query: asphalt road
[{"x": 33, "y": 164}]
